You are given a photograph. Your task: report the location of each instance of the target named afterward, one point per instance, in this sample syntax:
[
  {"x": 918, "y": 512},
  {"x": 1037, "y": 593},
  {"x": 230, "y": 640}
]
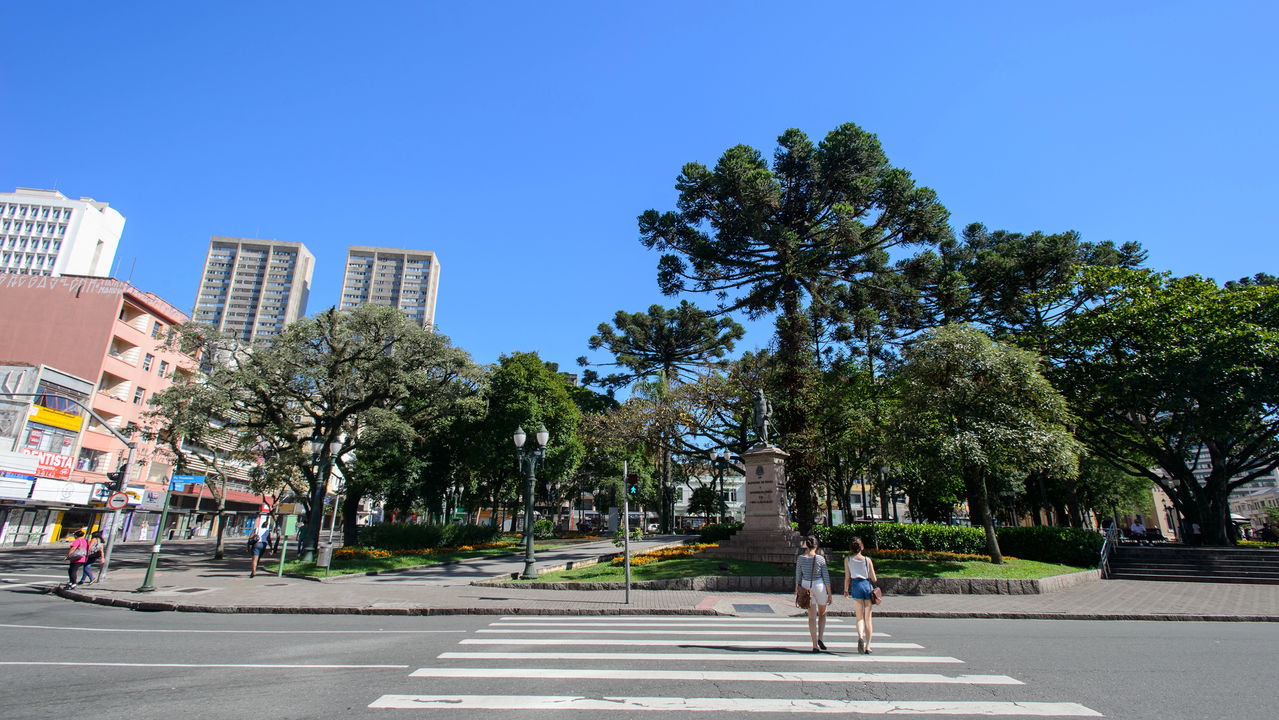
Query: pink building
[{"x": 112, "y": 334}]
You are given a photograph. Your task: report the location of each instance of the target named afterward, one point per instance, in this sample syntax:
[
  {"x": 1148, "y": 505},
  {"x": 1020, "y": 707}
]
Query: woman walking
[
  {"x": 93, "y": 558},
  {"x": 859, "y": 576},
  {"x": 76, "y": 555},
  {"x": 811, "y": 573}
]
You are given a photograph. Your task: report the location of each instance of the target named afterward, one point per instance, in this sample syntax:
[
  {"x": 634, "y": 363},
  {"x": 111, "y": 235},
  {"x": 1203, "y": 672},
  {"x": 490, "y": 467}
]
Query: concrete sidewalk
[{"x": 197, "y": 584}]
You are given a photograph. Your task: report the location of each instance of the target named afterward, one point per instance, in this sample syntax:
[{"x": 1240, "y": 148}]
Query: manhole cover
[
  {"x": 277, "y": 584},
  {"x": 191, "y": 590},
  {"x": 749, "y": 608}
]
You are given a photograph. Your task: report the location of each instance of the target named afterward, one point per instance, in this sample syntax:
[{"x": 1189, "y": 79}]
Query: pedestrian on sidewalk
[
  {"x": 859, "y": 580},
  {"x": 76, "y": 555},
  {"x": 96, "y": 544},
  {"x": 261, "y": 540},
  {"x": 811, "y": 572}
]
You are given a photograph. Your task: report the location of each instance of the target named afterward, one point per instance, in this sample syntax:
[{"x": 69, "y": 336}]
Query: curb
[{"x": 163, "y": 606}]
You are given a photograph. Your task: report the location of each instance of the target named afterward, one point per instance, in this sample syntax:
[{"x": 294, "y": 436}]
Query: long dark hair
[{"x": 856, "y": 546}]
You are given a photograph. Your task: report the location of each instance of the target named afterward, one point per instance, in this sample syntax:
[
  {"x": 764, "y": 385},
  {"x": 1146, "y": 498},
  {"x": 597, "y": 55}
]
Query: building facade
[
  {"x": 41, "y": 422},
  {"x": 114, "y": 336},
  {"x": 404, "y": 279},
  {"x": 251, "y": 289},
  {"x": 43, "y": 232}
]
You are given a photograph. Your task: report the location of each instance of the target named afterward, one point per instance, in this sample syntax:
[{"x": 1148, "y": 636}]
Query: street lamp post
[
  {"x": 528, "y": 464},
  {"x": 720, "y": 463}
]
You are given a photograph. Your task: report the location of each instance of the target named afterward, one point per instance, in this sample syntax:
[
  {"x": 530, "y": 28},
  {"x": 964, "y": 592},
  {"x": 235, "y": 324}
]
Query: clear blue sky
[{"x": 519, "y": 140}]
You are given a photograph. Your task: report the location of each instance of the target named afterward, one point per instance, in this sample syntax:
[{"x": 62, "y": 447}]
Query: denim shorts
[{"x": 861, "y": 588}]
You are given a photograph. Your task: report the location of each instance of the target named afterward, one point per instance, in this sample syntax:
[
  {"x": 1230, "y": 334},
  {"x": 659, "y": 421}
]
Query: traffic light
[
  {"x": 115, "y": 480},
  {"x": 632, "y": 485}
]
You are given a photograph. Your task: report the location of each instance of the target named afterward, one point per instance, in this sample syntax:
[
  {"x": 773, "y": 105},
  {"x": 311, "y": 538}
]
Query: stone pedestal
[{"x": 766, "y": 534}]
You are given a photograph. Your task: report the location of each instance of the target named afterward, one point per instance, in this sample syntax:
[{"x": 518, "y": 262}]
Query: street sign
[
  {"x": 188, "y": 479},
  {"x": 117, "y": 501}
]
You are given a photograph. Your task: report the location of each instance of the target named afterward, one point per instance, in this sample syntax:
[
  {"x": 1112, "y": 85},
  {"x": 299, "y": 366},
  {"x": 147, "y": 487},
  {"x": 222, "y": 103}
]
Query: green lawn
[
  {"x": 696, "y": 567},
  {"x": 353, "y": 566}
]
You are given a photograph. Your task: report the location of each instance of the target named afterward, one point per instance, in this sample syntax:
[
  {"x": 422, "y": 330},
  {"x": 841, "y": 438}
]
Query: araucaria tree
[
  {"x": 775, "y": 240},
  {"x": 663, "y": 347},
  {"x": 980, "y": 410},
  {"x": 1178, "y": 375}
]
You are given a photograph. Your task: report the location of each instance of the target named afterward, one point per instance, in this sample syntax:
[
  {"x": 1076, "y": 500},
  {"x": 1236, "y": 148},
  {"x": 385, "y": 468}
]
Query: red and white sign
[
  {"x": 117, "y": 501},
  {"x": 51, "y": 465}
]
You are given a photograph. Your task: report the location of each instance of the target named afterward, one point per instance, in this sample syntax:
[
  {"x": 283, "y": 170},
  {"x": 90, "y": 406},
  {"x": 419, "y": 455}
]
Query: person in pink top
[{"x": 77, "y": 556}]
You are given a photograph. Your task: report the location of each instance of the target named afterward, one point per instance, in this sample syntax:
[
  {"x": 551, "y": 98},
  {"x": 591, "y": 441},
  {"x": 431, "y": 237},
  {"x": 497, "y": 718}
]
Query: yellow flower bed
[
  {"x": 664, "y": 554},
  {"x": 362, "y": 553},
  {"x": 929, "y": 555}
]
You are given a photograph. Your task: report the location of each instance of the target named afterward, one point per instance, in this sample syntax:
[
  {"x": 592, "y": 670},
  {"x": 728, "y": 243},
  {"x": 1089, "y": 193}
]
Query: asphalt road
[{"x": 63, "y": 659}]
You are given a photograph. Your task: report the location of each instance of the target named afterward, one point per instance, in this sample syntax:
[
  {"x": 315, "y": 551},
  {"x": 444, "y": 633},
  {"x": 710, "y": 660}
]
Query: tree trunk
[
  {"x": 992, "y": 541},
  {"x": 350, "y": 519},
  {"x": 218, "y": 552}
]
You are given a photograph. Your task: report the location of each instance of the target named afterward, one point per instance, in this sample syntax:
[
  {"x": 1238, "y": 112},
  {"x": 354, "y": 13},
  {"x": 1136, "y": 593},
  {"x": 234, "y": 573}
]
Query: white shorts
[{"x": 821, "y": 593}]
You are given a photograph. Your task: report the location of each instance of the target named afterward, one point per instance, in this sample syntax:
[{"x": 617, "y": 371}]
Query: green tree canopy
[
  {"x": 680, "y": 343},
  {"x": 980, "y": 410},
  {"x": 1177, "y": 379}
]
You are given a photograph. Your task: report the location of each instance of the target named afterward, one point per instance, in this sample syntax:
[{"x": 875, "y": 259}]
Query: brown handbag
[
  {"x": 876, "y": 595},
  {"x": 803, "y": 597}
]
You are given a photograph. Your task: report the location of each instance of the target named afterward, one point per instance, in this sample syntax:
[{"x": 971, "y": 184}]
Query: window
[
  {"x": 91, "y": 460},
  {"x": 48, "y": 438},
  {"x": 157, "y": 330},
  {"x": 146, "y": 362},
  {"x": 164, "y": 369},
  {"x": 138, "y": 395}
]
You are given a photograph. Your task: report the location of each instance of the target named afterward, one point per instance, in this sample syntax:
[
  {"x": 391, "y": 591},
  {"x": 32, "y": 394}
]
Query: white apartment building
[
  {"x": 404, "y": 279},
  {"x": 251, "y": 289},
  {"x": 43, "y": 232}
]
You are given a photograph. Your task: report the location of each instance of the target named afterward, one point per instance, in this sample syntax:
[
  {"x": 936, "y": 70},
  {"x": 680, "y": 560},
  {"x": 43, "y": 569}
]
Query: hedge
[
  {"x": 717, "y": 532},
  {"x": 1067, "y": 546},
  {"x": 415, "y": 536}
]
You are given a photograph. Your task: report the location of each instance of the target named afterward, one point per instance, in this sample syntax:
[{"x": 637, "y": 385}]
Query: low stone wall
[{"x": 785, "y": 584}]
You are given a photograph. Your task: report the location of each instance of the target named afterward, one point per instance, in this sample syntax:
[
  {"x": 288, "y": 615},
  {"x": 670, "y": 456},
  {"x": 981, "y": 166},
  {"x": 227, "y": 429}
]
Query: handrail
[{"x": 1107, "y": 547}]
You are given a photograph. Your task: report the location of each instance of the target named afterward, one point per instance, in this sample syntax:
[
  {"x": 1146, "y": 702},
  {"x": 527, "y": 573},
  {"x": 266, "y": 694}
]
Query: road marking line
[
  {"x": 772, "y": 705},
  {"x": 249, "y": 666},
  {"x": 30, "y": 575},
  {"x": 663, "y": 642},
  {"x": 248, "y": 632},
  {"x": 712, "y": 675},
  {"x": 789, "y": 632},
  {"x": 752, "y": 657},
  {"x": 656, "y": 620},
  {"x": 14, "y": 586}
]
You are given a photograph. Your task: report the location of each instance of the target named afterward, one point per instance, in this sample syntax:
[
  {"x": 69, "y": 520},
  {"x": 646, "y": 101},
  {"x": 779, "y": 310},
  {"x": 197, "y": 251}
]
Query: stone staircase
[{"x": 1195, "y": 564}]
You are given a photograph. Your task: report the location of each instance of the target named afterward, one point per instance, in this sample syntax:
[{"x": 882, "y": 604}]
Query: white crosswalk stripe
[
  {"x": 713, "y": 675},
  {"x": 702, "y": 657},
  {"x": 648, "y": 642},
  {"x": 701, "y": 643},
  {"x": 713, "y": 704}
]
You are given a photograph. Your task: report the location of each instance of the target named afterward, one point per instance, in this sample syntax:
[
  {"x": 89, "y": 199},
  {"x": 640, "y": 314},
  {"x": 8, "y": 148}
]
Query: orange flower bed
[{"x": 664, "y": 554}]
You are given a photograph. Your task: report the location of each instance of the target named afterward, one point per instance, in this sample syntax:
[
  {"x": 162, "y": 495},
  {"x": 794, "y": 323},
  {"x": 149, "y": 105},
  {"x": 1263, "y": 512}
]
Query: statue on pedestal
[{"x": 763, "y": 413}]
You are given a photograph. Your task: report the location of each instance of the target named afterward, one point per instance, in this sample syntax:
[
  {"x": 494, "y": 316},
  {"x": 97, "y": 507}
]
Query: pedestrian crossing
[{"x": 754, "y": 665}]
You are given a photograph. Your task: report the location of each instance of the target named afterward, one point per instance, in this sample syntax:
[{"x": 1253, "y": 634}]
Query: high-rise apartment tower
[
  {"x": 43, "y": 232},
  {"x": 251, "y": 289},
  {"x": 404, "y": 279}
]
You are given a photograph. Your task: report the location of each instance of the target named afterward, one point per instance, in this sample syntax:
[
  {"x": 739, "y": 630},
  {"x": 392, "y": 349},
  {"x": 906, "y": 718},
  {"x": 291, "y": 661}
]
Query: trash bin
[{"x": 323, "y": 556}]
